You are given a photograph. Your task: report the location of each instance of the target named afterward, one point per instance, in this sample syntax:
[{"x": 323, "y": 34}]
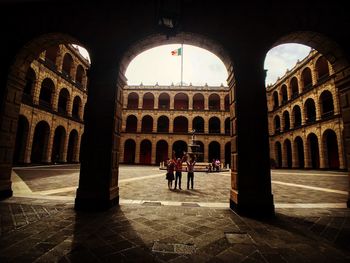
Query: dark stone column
[
  {"x": 98, "y": 182},
  {"x": 251, "y": 179},
  {"x": 342, "y": 82}
]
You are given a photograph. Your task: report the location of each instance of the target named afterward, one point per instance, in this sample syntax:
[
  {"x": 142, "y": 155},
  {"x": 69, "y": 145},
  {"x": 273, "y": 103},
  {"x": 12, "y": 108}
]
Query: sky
[{"x": 200, "y": 66}]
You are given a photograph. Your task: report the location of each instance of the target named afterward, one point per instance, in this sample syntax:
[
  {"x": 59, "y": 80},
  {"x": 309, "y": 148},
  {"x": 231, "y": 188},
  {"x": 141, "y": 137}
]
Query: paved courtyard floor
[{"x": 155, "y": 224}]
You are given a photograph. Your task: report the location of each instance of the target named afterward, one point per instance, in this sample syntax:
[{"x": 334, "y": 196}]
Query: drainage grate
[
  {"x": 152, "y": 203},
  {"x": 239, "y": 238},
  {"x": 174, "y": 248},
  {"x": 190, "y": 204}
]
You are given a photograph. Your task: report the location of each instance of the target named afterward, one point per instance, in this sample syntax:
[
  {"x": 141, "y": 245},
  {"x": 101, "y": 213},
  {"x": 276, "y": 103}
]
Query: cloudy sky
[{"x": 201, "y": 66}]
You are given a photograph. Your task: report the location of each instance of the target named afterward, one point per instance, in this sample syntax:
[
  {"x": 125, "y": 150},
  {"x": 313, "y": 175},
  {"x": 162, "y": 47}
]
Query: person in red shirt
[{"x": 178, "y": 170}]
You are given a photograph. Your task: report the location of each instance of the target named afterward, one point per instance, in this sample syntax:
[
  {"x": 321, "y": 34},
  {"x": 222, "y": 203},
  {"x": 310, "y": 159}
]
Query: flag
[{"x": 177, "y": 52}]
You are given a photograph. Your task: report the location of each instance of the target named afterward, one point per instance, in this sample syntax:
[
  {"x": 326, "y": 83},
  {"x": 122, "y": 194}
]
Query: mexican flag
[{"x": 177, "y": 52}]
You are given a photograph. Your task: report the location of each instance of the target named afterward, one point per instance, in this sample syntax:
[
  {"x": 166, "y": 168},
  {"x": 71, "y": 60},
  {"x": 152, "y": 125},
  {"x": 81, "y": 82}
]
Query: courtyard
[{"x": 155, "y": 224}]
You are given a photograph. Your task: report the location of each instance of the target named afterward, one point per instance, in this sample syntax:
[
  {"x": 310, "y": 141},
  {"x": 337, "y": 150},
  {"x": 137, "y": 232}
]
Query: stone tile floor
[{"x": 45, "y": 228}]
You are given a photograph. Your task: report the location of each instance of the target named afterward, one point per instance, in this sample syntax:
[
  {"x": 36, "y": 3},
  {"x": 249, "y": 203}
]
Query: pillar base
[
  {"x": 6, "y": 194},
  {"x": 94, "y": 205},
  {"x": 254, "y": 209}
]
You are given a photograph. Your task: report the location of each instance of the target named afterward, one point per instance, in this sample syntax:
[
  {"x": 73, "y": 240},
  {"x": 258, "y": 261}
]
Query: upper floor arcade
[
  {"x": 203, "y": 98},
  {"x": 308, "y": 74}
]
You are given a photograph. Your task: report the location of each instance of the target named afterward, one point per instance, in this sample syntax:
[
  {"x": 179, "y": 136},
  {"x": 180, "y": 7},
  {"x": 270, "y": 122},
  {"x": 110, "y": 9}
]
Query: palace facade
[
  {"x": 305, "y": 122},
  {"x": 50, "y": 122},
  {"x": 158, "y": 120}
]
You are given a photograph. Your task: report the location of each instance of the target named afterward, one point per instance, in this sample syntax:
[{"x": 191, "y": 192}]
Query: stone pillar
[
  {"x": 222, "y": 151},
  {"x": 154, "y": 146},
  {"x": 250, "y": 177},
  {"x": 171, "y": 102},
  {"x": 318, "y": 109},
  {"x": 322, "y": 152},
  {"x": 36, "y": 91},
  {"x": 284, "y": 155},
  {"x": 190, "y": 124},
  {"x": 48, "y": 149},
  {"x": 342, "y": 162},
  {"x": 206, "y": 101},
  {"x": 206, "y": 149},
  {"x": 295, "y": 157},
  {"x": 137, "y": 150},
  {"x": 190, "y": 102},
  {"x": 29, "y": 143},
  {"x": 65, "y": 149},
  {"x": 98, "y": 182},
  {"x": 156, "y": 101},
  {"x": 139, "y": 123},
  {"x": 140, "y": 101},
  {"x": 222, "y": 125},
  {"x": 307, "y": 159},
  {"x": 76, "y": 152},
  {"x": 171, "y": 124},
  {"x": 155, "y": 121},
  {"x": 343, "y": 84}
]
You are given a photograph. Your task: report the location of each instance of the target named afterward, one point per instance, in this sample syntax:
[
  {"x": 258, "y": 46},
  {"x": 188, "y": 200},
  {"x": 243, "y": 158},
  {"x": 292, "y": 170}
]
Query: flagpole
[{"x": 182, "y": 61}]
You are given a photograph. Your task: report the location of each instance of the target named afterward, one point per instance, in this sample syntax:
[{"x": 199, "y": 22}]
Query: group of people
[
  {"x": 214, "y": 165},
  {"x": 175, "y": 165}
]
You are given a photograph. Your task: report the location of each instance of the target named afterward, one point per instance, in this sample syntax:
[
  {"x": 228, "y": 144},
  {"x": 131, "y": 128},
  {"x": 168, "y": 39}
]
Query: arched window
[
  {"x": 57, "y": 153},
  {"x": 314, "y": 153},
  {"x": 181, "y": 124},
  {"x": 67, "y": 65},
  {"x": 322, "y": 69},
  {"x": 133, "y": 101},
  {"x": 214, "y": 102},
  {"x": 284, "y": 94},
  {"x": 29, "y": 86},
  {"x": 163, "y": 124},
  {"x": 297, "y": 116},
  {"x": 181, "y": 101},
  {"x": 275, "y": 99},
  {"x": 161, "y": 151},
  {"x": 214, "y": 125},
  {"x": 288, "y": 153},
  {"x": 147, "y": 124},
  {"x": 51, "y": 56},
  {"x": 46, "y": 91},
  {"x": 327, "y": 106},
  {"x": 227, "y": 126},
  {"x": 198, "y": 124},
  {"x": 330, "y": 144},
  {"x": 286, "y": 120},
  {"x": 21, "y": 139},
  {"x": 164, "y": 101},
  {"x": 73, "y": 147},
  {"x": 145, "y": 152},
  {"x": 299, "y": 149},
  {"x": 277, "y": 123},
  {"x": 310, "y": 110},
  {"x": 278, "y": 151},
  {"x": 63, "y": 101},
  {"x": 227, "y": 102},
  {"x": 131, "y": 124},
  {"x": 198, "y": 101},
  {"x": 80, "y": 74},
  {"x": 129, "y": 151},
  {"x": 40, "y": 142},
  {"x": 77, "y": 106},
  {"x": 148, "y": 101},
  {"x": 294, "y": 87},
  {"x": 214, "y": 151},
  {"x": 306, "y": 79}
]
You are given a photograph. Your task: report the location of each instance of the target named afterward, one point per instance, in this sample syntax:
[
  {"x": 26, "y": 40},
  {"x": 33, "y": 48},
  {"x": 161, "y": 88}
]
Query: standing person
[
  {"x": 190, "y": 172},
  {"x": 178, "y": 170},
  {"x": 170, "y": 172}
]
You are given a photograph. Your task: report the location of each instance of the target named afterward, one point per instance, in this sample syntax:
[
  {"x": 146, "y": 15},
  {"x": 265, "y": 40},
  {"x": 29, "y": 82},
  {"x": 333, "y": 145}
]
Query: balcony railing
[{"x": 327, "y": 115}]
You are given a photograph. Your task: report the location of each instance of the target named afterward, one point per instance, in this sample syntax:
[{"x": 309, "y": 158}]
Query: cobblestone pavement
[{"x": 39, "y": 224}]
